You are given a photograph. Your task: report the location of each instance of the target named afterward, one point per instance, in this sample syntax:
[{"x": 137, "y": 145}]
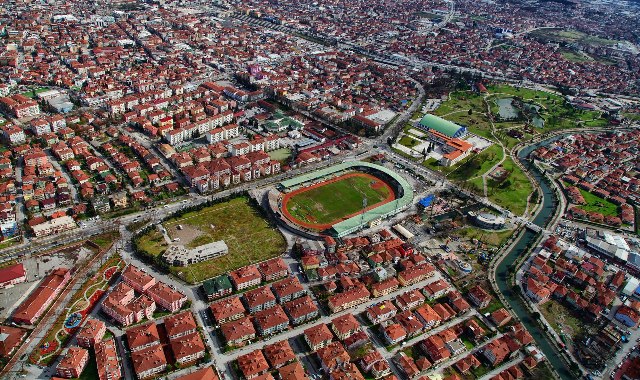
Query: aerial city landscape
[{"x": 320, "y": 190}]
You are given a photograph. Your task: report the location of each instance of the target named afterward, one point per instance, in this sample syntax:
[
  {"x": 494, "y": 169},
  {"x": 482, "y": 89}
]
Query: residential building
[
  {"x": 12, "y": 275},
  {"x": 271, "y": 321},
  {"x": 333, "y": 356},
  {"x": 253, "y": 364},
  {"x": 91, "y": 333},
  {"x": 72, "y": 363},
  {"x": 318, "y": 336},
  {"x": 149, "y": 361},
  {"x": 236, "y": 332},
  {"x": 108, "y": 360},
  {"x": 273, "y": 269},
  {"x": 167, "y": 297},
  {"x": 245, "y": 277},
  {"x": 259, "y": 299},
  {"x": 142, "y": 336},
  {"x": 187, "y": 348},
  {"x": 288, "y": 289},
  {"x": 345, "y": 326},
  {"x": 381, "y": 311},
  {"x": 179, "y": 325},
  {"x": 301, "y": 310},
  {"x": 279, "y": 354},
  {"x": 227, "y": 310},
  {"x": 217, "y": 287}
]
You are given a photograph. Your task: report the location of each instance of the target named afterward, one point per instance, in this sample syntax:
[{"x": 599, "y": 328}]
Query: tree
[{"x": 470, "y": 111}]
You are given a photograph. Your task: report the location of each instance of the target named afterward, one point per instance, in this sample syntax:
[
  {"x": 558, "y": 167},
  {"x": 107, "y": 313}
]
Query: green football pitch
[{"x": 325, "y": 204}]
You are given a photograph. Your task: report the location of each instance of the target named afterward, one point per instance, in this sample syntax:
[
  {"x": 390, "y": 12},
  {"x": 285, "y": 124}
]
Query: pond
[{"x": 506, "y": 109}]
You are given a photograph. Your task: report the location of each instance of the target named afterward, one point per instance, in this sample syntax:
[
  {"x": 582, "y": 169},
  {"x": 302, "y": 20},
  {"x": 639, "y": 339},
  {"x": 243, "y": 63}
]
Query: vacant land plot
[
  {"x": 249, "y": 236},
  {"x": 323, "y": 205},
  {"x": 561, "y": 319}
]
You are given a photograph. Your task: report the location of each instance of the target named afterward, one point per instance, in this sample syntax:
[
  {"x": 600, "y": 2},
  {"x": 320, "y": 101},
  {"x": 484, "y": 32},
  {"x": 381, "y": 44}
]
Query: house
[
  {"x": 496, "y": 351},
  {"x": 72, "y": 363},
  {"x": 479, "y": 297},
  {"x": 500, "y": 317},
  {"x": 318, "y": 336}
]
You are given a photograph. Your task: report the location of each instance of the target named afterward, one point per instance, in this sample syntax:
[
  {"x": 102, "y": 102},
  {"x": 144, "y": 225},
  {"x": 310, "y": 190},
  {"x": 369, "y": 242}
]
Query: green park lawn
[
  {"x": 333, "y": 201},
  {"x": 514, "y": 191},
  {"x": 246, "y": 232}
]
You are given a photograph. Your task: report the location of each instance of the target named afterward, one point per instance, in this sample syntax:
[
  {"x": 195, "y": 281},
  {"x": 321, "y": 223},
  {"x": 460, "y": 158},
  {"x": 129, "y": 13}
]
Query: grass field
[
  {"x": 514, "y": 191},
  {"x": 333, "y": 201},
  {"x": 248, "y": 235},
  {"x": 597, "y": 204}
]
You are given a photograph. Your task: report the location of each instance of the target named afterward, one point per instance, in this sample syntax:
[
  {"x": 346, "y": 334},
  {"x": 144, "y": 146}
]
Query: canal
[{"x": 502, "y": 270}]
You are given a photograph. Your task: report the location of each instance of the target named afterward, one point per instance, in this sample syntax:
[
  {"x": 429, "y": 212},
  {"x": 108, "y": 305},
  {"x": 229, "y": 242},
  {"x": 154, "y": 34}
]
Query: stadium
[{"x": 341, "y": 199}]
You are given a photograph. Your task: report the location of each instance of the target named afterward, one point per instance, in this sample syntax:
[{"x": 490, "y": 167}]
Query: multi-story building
[
  {"x": 227, "y": 310},
  {"x": 288, "y": 289},
  {"x": 143, "y": 336},
  {"x": 187, "y": 348},
  {"x": 108, "y": 360},
  {"x": 318, "y": 336},
  {"x": 381, "y": 312},
  {"x": 12, "y": 275},
  {"x": 138, "y": 279},
  {"x": 259, "y": 299},
  {"x": 271, "y": 321},
  {"x": 245, "y": 277},
  {"x": 149, "y": 361},
  {"x": 345, "y": 326},
  {"x": 253, "y": 364},
  {"x": 92, "y": 332},
  {"x": 73, "y": 363},
  {"x": 349, "y": 298},
  {"x": 237, "y": 332},
  {"x": 301, "y": 310},
  {"x": 167, "y": 297},
  {"x": 217, "y": 287},
  {"x": 180, "y": 324},
  {"x": 273, "y": 269}
]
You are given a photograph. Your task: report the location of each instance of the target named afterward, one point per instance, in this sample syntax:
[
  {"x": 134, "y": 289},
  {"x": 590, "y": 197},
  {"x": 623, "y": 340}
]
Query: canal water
[{"x": 502, "y": 278}]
